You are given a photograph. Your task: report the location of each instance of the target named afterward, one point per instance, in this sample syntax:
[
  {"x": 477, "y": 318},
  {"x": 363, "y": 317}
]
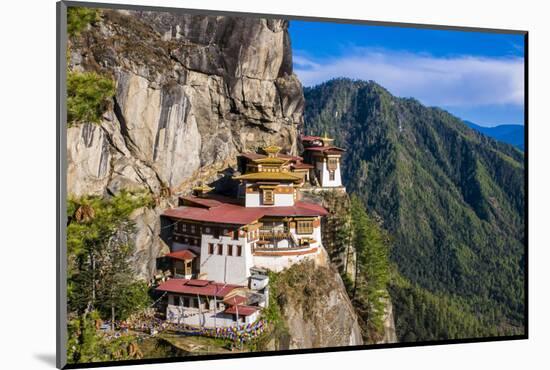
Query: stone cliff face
[
  {"x": 191, "y": 92},
  {"x": 315, "y": 308},
  {"x": 390, "y": 333},
  {"x": 329, "y": 322}
]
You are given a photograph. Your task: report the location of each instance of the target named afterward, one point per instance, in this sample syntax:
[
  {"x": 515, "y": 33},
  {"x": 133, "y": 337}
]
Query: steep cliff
[
  {"x": 314, "y": 309},
  {"x": 191, "y": 93}
]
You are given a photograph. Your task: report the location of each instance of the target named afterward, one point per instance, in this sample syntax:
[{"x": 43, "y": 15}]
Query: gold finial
[
  {"x": 272, "y": 150},
  {"x": 325, "y": 139},
  {"x": 201, "y": 190}
]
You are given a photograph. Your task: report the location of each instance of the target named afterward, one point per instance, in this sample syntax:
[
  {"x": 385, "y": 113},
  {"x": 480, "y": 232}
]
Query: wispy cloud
[{"x": 441, "y": 81}]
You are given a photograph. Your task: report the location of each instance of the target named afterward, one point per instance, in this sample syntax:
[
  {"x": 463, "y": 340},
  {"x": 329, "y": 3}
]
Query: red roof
[
  {"x": 211, "y": 200},
  {"x": 299, "y": 209},
  {"x": 184, "y": 255},
  {"x": 290, "y": 157},
  {"x": 201, "y": 202},
  {"x": 235, "y": 300},
  {"x": 198, "y": 282},
  {"x": 237, "y": 214},
  {"x": 223, "y": 213},
  {"x": 194, "y": 287},
  {"x": 328, "y": 148},
  {"x": 301, "y": 165},
  {"x": 242, "y": 310}
]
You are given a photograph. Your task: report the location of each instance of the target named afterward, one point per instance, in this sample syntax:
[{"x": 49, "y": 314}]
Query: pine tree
[
  {"x": 99, "y": 240},
  {"x": 372, "y": 274}
]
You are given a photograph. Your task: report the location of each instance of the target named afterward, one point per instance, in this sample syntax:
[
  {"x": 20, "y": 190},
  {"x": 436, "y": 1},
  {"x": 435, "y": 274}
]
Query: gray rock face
[
  {"x": 191, "y": 93},
  {"x": 88, "y": 157},
  {"x": 390, "y": 334},
  {"x": 333, "y": 323},
  {"x": 148, "y": 244},
  {"x": 316, "y": 309}
]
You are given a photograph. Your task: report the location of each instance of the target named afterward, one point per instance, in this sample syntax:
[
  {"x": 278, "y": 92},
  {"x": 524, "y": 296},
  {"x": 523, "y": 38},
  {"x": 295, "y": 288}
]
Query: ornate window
[
  {"x": 239, "y": 250},
  {"x": 229, "y": 250},
  {"x": 210, "y": 248},
  {"x": 268, "y": 196},
  {"x": 332, "y": 164},
  {"x": 304, "y": 227},
  {"x": 220, "y": 249}
]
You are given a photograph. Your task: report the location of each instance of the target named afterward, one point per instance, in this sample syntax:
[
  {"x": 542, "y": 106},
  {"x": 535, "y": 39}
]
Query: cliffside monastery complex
[{"x": 221, "y": 247}]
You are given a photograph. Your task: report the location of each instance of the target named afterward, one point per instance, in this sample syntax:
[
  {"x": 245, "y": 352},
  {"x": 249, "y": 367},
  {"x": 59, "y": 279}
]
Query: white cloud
[{"x": 455, "y": 81}]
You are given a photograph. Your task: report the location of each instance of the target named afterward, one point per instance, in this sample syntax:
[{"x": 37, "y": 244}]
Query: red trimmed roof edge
[
  {"x": 184, "y": 254},
  {"x": 236, "y": 214},
  {"x": 242, "y": 310},
  {"x": 181, "y": 286}
]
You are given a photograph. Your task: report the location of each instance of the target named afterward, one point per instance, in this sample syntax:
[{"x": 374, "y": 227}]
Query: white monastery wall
[
  {"x": 325, "y": 176},
  {"x": 284, "y": 200},
  {"x": 224, "y": 268},
  {"x": 252, "y": 200},
  {"x": 280, "y": 200},
  {"x": 279, "y": 263},
  {"x": 206, "y": 318}
]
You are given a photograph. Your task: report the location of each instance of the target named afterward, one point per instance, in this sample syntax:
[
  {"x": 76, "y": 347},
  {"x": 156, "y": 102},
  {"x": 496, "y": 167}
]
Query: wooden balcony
[
  {"x": 271, "y": 248},
  {"x": 278, "y": 235}
]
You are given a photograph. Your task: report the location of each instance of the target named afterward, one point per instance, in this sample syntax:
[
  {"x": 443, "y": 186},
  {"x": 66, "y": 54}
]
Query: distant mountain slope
[
  {"x": 453, "y": 199},
  {"x": 511, "y": 134}
]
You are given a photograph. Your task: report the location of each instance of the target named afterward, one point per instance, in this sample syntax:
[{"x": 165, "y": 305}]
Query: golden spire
[
  {"x": 272, "y": 150},
  {"x": 326, "y": 140}
]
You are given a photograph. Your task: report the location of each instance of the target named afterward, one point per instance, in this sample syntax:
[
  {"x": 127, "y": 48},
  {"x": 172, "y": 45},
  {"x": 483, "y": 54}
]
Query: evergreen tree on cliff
[{"x": 372, "y": 275}]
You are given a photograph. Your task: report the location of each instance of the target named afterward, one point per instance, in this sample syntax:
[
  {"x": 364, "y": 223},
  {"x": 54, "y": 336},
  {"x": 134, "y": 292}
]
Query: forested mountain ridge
[
  {"x": 452, "y": 198},
  {"x": 511, "y": 134}
]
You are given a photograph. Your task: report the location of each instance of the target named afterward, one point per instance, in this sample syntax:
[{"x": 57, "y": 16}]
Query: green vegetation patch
[
  {"x": 79, "y": 18},
  {"x": 372, "y": 274},
  {"x": 100, "y": 284},
  {"x": 88, "y": 96},
  {"x": 277, "y": 330},
  {"x": 421, "y": 315},
  {"x": 87, "y": 344}
]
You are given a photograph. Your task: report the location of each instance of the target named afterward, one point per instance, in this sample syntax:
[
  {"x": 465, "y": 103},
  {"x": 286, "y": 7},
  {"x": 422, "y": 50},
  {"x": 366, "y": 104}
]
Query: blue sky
[{"x": 476, "y": 76}]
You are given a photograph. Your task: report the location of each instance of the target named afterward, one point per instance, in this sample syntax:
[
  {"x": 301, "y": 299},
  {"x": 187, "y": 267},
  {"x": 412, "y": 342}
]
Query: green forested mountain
[{"x": 453, "y": 200}]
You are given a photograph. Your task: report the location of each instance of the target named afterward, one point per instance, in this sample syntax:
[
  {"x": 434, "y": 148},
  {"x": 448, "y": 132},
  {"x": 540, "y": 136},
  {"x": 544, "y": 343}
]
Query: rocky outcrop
[
  {"x": 316, "y": 309},
  {"x": 191, "y": 93},
  {"x": 390, "y": 334}
]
